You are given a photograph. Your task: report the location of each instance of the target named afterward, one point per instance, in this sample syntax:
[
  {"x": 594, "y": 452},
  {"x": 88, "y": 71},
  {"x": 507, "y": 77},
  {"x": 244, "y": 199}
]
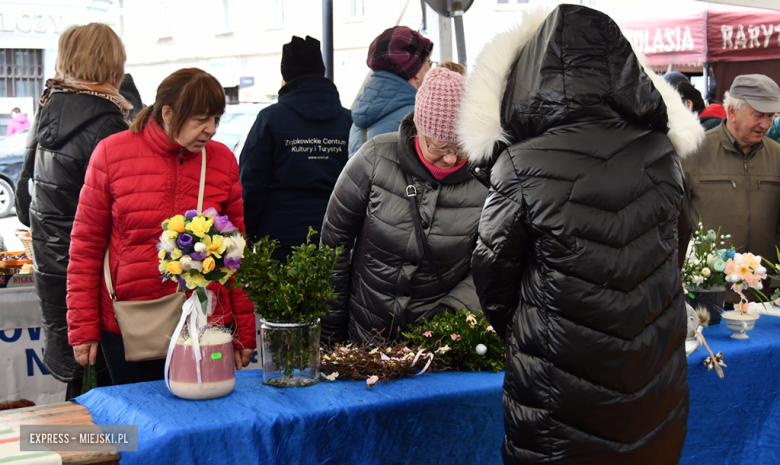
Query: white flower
[
  {"x": 230, "y": 245},
  {"x": 166, "y": 243},
  {"x": 196, "y": 265},
  {"x": 372, "y": 380},
  {"x": 200, "y": 247},
  {"x": 706, "y": 272},
  {"x": 186, "y": 263},
  {"x": 240, "y": 243},
  {"x": 442, "y": 349}
]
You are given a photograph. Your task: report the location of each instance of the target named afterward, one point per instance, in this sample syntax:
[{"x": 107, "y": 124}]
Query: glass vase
[
  {"x": 713, "y": 301},
  {"x": 291, "y": 353}
]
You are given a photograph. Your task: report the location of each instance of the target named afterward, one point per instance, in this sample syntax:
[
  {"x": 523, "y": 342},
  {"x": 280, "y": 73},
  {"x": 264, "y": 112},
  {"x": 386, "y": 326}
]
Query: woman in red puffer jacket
[{"x": 135, "y": 180}]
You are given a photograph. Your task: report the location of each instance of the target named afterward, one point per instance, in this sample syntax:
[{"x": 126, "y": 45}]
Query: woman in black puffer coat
[
  {"x": 386, "y": 282},
  {"x": 80, "y": 107},
  {"x": 577, "y": 262}
]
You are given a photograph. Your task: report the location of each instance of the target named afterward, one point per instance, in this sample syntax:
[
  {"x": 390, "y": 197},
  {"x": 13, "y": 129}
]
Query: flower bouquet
[
  {"x": 703, "y": 273},
  {"x": 291, "y": 297},
  {"x": 196, "y": 249}
]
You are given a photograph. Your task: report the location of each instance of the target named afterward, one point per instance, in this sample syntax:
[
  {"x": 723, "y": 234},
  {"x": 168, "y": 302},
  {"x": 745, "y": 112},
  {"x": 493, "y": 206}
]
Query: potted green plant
[
  {"x": 703, "y": 273},
  {"x": 290, "y": 297}
]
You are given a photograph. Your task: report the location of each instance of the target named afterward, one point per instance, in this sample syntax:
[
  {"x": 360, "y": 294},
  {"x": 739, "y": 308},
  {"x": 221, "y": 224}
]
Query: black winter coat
[
  {"x": 291, "y": 160},
  {"x": 385, "y": 282},
  {"x": 577, "y": 257},
  {"x": 69, "y": 128}
]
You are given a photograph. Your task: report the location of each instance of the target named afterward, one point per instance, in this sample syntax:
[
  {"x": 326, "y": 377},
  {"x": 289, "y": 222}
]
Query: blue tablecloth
[
  {"x": 736, "y": 420},
  {"x": 445, "y": 417}
]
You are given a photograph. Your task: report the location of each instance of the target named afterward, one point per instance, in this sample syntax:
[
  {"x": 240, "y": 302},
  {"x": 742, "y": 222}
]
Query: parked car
[
  {"x": 11, "y": 157},
  {"x": 235, "y": 124}
]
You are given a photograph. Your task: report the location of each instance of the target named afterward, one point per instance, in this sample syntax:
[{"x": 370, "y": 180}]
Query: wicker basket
[{"x": 24, "y": 236}]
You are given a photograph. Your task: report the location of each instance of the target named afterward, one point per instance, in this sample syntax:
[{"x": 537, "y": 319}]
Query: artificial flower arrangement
[
  {"x": 460, "y": 340},
  {"x": 290, "y": 297},
  {"x": 705, "y": 262},
  {"x": 744, "y": 272},
  {"x": 196, "y": 249}
]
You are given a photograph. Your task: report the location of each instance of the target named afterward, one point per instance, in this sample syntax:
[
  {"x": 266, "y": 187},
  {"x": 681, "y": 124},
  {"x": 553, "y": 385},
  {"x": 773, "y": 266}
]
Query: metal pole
[
  {"x": 457, "y": 6},
  {"x": 327, "y": 37}
]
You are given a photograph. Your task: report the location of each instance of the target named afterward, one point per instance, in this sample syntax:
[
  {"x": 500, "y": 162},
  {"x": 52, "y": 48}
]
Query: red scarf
[{"x": 438, "y": 173}]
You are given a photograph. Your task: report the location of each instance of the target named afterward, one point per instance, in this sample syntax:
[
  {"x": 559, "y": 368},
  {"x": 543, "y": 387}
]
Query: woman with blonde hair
[
  {"x": 135, "y": 181},
  {"x": 80, "y": 107}
]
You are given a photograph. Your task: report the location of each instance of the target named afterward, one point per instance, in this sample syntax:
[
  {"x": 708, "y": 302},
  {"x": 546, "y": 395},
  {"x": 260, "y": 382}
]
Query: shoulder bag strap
[
  {"x": 201, "y": 188},
  {"x": 365, "y": 134},
  {"x": 202, "y": 181},
  {"x": 411, "y": 193}
]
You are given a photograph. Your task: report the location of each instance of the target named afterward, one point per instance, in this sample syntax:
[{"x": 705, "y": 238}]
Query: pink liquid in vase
[{"x": 217, "y": 371}]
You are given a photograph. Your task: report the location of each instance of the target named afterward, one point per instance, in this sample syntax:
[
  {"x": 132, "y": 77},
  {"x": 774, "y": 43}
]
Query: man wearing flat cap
[
  {"x": 294, "y": 152},
  {"x": 734, "y": 180}
]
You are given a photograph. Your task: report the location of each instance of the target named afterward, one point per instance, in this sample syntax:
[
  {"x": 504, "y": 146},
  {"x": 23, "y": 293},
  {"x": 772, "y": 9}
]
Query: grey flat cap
[{"x": 760, "y": 92}]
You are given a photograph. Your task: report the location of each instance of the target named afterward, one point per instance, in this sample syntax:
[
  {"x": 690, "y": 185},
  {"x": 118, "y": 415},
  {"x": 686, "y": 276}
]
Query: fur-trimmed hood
[{"x": 626, "y": 89}]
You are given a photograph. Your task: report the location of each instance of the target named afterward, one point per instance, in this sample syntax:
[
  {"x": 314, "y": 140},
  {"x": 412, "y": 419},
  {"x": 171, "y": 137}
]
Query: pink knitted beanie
[{"x": 436, "y": 105}]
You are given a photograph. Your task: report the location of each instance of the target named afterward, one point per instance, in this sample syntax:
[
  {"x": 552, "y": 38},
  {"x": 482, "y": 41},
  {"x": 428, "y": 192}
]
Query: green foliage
[
  {"x": 469, "y": 330},
  {"x": 705, "y": 262},
  {"x": 296, "y": 291}
]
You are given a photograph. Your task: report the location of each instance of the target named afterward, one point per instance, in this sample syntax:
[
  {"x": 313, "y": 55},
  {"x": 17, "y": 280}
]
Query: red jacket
[{"x": 133, "y": 183}]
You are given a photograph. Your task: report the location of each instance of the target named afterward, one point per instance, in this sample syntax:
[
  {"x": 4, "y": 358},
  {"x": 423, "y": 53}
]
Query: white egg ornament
[{"x": 481, "y": 349}]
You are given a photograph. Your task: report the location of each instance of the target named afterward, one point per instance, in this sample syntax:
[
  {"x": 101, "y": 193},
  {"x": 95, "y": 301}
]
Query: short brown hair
[
  {"x": 189, "y": 92},
  {"x": 452, "y": 66},
  {"x": 92, "y": 52}
]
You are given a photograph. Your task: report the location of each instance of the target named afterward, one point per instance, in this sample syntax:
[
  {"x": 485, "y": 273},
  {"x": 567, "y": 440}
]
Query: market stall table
[{"x": 444, "y": 417}]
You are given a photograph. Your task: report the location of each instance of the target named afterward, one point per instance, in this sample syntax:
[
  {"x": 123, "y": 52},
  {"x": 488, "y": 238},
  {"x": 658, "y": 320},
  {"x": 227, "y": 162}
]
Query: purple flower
[
  {"x": 211, "y": 212},
  {"x": 182, "y": 282},
  {"x": 232, "y": 263},
  {"x": 222, "y": 224},
  {"x": 184, "y": 240},
  {"x": 198, "y": 256},
  {"x": 190, "y": 214}
]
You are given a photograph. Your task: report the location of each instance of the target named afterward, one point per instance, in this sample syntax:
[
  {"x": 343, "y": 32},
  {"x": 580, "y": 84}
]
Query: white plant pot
[{"x": 740, "y": 323}]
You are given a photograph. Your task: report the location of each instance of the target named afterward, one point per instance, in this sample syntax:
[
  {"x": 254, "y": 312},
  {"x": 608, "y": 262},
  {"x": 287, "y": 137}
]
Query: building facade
[{"x": 29, "y": 32}]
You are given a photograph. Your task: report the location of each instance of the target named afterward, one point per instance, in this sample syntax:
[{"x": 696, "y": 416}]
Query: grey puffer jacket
[{"x": 385, "y": 282}]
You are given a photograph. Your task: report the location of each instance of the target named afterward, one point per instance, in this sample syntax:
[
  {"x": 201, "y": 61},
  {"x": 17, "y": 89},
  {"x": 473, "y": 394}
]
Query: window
[
  {"x": 166, "y": 33},
  {"x": 277, "y": 12},
  {"x": 357, "y": 8},
  {"x": 21, "y": 73},
  {"x": 225, "y": 15}
]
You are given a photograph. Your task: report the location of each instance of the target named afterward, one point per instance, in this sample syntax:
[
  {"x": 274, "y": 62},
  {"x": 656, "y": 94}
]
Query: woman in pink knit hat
[{"x": 406, "y": 210}]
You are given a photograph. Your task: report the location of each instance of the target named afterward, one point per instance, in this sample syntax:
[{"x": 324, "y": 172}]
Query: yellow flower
[
  {"x": 208, "y": 264},
  {"x": 199, "y": 226},
  {"x": 228, "y": 274},
  {"x": 471, "y": 320},
  {"x": 164, "y": 265},
  {"x": 176, "y": 224},
  {"x": 214, "y": 245},
  {"x": 174, "y": 267},
  {"x": 176, "y": 254},
  {"x": 172, "y": 234},
  {"x": 195, "y": 281},
  {"x": 161, "y": 254}
]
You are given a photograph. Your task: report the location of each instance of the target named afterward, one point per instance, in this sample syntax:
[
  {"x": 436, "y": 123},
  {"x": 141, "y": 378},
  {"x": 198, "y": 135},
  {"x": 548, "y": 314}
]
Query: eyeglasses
[{"x": 441, "y": 151}]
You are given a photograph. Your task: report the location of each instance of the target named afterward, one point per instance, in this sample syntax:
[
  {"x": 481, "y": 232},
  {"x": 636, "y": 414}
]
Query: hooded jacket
[
  {"x": 384, "y": 282},
  {"x": 292, "y": 157},
  {"x": 133, "y": 184},
  {"x": 69, "y": 127},
  {"x": 577, "y": 260},
  {"x": 385, "y": 101}
]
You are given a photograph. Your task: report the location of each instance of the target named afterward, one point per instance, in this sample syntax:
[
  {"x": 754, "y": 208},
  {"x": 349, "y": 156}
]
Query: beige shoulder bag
[{"x": 147, "y": 325}]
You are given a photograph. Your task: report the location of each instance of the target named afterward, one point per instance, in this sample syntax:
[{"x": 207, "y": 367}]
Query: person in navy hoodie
[
  {"x": 294, "y": 152},
  {"x": 399, "y": 58}
]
